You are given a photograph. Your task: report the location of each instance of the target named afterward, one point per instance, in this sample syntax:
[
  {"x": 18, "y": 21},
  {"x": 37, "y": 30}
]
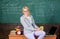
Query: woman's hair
[{"x": 25, "y": 7}]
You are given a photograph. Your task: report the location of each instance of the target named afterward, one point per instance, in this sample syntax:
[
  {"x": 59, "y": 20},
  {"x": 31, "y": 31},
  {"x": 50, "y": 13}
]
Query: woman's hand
[{"x": 37, "y": 29}]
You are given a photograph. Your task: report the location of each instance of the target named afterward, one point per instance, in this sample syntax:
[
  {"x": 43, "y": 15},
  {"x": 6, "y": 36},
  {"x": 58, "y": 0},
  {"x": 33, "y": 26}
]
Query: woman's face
[{"x": 26, "y": 12}]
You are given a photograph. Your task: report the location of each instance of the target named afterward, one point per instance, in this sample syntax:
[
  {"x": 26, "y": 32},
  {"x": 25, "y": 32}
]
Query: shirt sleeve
[{"x": 34, "y": 23}]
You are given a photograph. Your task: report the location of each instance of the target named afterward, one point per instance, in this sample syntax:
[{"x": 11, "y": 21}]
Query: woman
[{"x": 30, "y": 28}]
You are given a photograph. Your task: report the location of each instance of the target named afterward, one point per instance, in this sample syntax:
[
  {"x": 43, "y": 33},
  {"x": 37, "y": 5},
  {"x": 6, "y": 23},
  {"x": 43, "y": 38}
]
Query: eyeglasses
[{"x": 25, "y": 11}]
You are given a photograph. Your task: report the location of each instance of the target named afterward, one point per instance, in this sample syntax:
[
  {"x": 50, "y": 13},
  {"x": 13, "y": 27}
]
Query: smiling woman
[{"x": 30, "y": 28}]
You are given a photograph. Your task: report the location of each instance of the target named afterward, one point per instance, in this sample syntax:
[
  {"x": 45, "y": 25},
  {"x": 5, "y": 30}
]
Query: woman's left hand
[{"x": 37, "y": 29}]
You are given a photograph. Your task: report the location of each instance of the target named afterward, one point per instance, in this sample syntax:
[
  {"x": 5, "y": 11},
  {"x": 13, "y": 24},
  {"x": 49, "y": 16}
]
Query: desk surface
[{"x": 23, "y": 35}]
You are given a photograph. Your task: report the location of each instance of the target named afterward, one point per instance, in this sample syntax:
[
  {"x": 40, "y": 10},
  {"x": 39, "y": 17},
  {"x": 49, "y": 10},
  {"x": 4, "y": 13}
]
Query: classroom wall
[{"x": 43, "y": 11}]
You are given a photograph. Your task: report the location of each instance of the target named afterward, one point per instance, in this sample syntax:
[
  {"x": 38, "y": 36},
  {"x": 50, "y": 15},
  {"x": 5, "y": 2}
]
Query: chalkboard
[{"x": 43, "y": 11}]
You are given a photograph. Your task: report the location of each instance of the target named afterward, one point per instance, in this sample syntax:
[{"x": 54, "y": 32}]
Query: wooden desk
[
  {"x": 23, "y": 37},
  {"x": 50, "y": 37},
  {"x": 17, "y": 37}
]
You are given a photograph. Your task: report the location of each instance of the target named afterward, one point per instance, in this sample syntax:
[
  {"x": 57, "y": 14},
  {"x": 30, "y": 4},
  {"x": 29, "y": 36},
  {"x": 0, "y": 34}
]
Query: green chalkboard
[{"x": 43, "y": 11}]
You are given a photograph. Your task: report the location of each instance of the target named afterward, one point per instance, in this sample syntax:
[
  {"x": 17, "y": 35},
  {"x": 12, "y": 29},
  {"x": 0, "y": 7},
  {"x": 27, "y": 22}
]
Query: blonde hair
[{"x": 25, "y": 7}]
